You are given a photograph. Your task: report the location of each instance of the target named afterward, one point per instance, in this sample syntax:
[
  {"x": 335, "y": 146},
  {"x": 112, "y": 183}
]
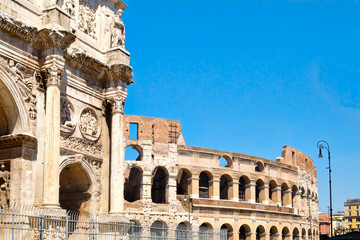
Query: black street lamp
[{"x": 321, "y": 145}]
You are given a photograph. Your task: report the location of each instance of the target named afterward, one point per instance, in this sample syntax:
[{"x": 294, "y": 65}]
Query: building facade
[
  {"x": 64, "y": 72},
  {"x": 351, "y": 212}
]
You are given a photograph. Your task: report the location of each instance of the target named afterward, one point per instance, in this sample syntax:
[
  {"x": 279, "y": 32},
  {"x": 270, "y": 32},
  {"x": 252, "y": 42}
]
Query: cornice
[
  {"x": 98, "y": 69},
  {"x": 38, "y": 38},
  {"x": 8, "y": 141}
]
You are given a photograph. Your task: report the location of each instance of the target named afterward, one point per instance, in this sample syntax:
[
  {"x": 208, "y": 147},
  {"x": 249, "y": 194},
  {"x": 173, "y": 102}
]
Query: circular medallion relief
[
  {"x": 67, "y": 124},
  {"x": 89, "y": 124}
]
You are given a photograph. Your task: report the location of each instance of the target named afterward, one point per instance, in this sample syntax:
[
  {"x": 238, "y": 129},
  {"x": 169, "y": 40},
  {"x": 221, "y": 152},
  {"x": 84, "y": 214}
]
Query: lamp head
[{"x": 320, "y": 154}]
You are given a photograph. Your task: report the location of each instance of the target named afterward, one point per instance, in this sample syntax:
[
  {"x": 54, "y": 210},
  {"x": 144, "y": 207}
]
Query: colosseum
[{"x": 64, "y": 72}]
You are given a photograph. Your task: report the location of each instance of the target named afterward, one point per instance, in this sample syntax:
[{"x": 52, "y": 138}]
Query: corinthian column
[
  {"x": 117, "y": 156},
  {"x": 52, "y": 136}
]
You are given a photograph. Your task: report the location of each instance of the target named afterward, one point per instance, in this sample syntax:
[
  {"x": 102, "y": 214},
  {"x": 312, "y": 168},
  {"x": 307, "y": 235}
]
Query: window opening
[
  {"x": 173, "y": 133},
  {"x": 203, "y": 185},
  {"x": 133, "y": 131}
]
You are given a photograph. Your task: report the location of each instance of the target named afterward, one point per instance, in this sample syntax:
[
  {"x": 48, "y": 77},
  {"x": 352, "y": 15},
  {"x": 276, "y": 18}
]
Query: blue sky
[{"x": 252, "y": 76}]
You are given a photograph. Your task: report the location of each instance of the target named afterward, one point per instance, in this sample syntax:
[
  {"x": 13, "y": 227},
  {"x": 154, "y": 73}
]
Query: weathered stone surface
[{"x": 64, "y": 71}]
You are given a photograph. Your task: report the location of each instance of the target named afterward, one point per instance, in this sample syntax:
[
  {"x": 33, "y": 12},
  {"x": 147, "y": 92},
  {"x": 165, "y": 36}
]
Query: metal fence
[{"x": 19, "y": 222}]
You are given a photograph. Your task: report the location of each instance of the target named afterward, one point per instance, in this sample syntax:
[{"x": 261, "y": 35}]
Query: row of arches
[
  {"x": 134, "y": 152},
  {"x": 243, "y": 190},
  {"x": 159, "y": 230}
]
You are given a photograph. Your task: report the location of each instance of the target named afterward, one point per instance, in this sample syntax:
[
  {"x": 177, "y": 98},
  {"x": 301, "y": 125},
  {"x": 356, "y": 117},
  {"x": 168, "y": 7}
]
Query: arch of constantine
[{"x": 64, "y": 72}]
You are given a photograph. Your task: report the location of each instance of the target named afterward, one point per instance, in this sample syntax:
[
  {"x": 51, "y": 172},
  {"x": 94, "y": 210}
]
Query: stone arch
[
  {"x": 130, "y": 151},
  {"x": 259, "y": 166},
  {"x": 12, "y": 103},
  {"x": 205, "y": 185},
  {"x": 226, "y": 232},
  {"x": 285, "y": 195},
  {"x": 285, "y": 233},
  {"x": 225, "y": 161},
  {"x": 225, "y": 187},
  {"x": 182, "y": 231},
  {"x": 159, "y": 185},
  {"x": 273, "y": 233},
  {"x": 295, "y": 234},
  {"x": 260, "y": 191},
  {"x": 133, "y": 183},
  {"x": 260, "y": 233},
  {"x": 272, "y": 192},
  {"x": 244, "y": 232},
  {"x": 158, "y": 230},
  {"x": 77, "y": 184},
  {"x": 294, "y": 195},
  {"x": 183, "y": 182},
  {"x": 244, "y": 190},
  {"x": 205, "y": 231},
  {"x": 135, "y": 230},
  {"x": 303, "y": 234}
]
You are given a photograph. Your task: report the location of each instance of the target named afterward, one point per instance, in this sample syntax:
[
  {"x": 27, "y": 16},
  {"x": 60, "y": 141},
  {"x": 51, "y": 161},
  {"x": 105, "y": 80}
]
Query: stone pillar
[
  {"x": 235, "y": 191},
  {"x": 278, "y": 195},
  {"x": 265, "y": 195},
  {"x": 252, "y": 192},
  {"x": 117, "y": 156},
  {"x": 214, "y": 191},
  {"x": 52, "y": 131},
  {"x": 287, "y": 198},
  {"x": 194, "y": 187}
]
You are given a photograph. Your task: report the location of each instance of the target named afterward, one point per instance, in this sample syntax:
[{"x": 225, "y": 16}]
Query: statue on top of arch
[{"x": 118, "y": 30}]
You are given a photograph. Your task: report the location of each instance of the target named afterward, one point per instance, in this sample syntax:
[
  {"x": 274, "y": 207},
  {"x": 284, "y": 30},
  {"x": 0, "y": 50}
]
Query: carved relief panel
[
  {"x": 87, "y": 17},
  {"x": 89, "y": 124},
  {"x": 66, "y": 116},
  {"x": 4, "y": 184},
  {"x": 27, "y": 81}
]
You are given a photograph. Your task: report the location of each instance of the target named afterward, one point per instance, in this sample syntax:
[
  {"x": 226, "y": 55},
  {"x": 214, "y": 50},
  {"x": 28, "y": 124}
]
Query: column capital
[
  {"x": 53, "y": 68},
  {"x": 117, "y": 104}
]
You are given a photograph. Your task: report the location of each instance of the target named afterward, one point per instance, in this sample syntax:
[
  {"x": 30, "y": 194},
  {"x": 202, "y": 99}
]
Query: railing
[{"x": 19, "y": 222}]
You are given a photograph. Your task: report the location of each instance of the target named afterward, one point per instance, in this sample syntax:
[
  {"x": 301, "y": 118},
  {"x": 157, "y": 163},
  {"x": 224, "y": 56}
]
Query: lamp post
[{"x": 324, "y": 145}]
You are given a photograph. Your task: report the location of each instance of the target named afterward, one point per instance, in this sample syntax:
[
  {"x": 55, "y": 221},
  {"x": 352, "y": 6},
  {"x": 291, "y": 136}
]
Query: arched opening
[
  {"x": 159, "y": 185},
  {"x": 295, "y": 235},
  {"x": 225, "y": 187},
  {"x": 303, "y": 192},
  {"x": 204, "y": 186},
  {"x": 260, "y": 197},
  {"x": 182, "y": 231},
  {"x": 273, "y": 233},
  {"x": 226, "y": 232},
  {"x": 75, "y": 188},
  {"x": 158, "y": 230},
  {"x": 243, "y": 182},
  {"x": 225, "y": 161},
  {"x": 17, "y": 101},
  {"x": 272, "y": 192},
  {"x": 133, "y": 184},
  {"x": 303, "y": 234},
  {"x": 284, "y": 194},
  {"x": 133, "y": 153},
  {"x": 4, "y": 127},
  {"x": 205, "y": 231},
  {"x": 260, "y": 233},
  {"x": 259, "y": 166},
  {"x": 285, "y": 234},
  {"x": 244, "y": 232},
  {"x": 294, "y": 196},
  {"x": 135, "y": 230},
  {"x": 183, "y": 182}
]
